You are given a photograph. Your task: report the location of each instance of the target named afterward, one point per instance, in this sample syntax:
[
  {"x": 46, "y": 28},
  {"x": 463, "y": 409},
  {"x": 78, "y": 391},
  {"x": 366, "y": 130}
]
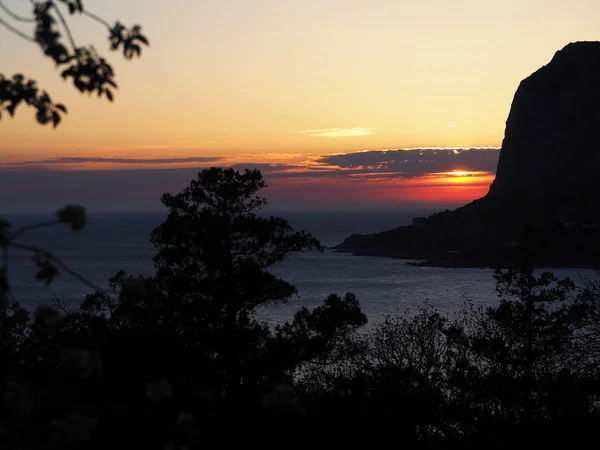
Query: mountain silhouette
[{"x": 545, "y": 180}]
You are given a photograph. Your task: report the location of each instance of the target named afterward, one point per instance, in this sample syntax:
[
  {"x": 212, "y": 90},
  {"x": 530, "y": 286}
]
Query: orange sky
[{"x": 271, "y": 81}]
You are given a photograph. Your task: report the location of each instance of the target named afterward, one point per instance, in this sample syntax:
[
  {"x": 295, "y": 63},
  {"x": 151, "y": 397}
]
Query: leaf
[
  {"x": 55, "y": 118},
  {"x": 47, "y": 271},
  {"x": 61, "y": 107},
  {"x": 142, "y": 39},
  {"x": 109, "y": 94},
  {"x": 73, "y": 215},
  {"x": 42, "y": 117}
]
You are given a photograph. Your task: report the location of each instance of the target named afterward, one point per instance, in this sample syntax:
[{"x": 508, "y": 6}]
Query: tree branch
[
  {"x": 16, "y": 31},
  {"x": 19, "y": 232},
  {"x": 58, "y": 262},
  {"x": 15, "y": 16},
  {"x": 64, "y": 22},
  {"x": 62, "y": 305},
  {"x": 97, "y": 19},
  {"x": 26, "y": 228}
]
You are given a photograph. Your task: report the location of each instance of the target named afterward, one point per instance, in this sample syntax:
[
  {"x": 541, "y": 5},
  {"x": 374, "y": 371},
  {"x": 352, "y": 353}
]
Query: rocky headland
[{"x": 546, "y": 181}]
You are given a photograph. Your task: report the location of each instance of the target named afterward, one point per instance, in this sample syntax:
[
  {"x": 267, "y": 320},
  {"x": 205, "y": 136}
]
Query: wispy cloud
[
  {"x": 339, "y": 132},
  {"x": 187, "y": 145},
  {"x": 94, "y": 159}
]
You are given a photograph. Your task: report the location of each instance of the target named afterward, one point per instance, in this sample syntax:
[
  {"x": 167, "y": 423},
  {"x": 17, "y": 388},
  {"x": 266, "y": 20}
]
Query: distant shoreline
[
  {"x": 489, "y": 266},
  {"x": 459, "y": 265}
]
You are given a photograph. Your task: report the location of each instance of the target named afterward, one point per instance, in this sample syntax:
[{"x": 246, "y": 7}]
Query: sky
[{"x": 312, "y": 92}]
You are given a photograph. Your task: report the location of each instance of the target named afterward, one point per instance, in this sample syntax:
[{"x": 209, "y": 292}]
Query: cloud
[
  {"x": 86, "y": 159},
  {"x": 378, "y": 174},
  {"x": 339, "y": 132},
  {"x": 415, "y": 162}
]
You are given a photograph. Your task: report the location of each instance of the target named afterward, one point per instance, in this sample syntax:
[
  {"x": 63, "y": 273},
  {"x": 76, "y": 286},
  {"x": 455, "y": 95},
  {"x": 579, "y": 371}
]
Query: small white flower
[
  {"x": 185, "y": 421},
  {"x": 159, "y": 390},
  {"x": 75, "y": 428}
]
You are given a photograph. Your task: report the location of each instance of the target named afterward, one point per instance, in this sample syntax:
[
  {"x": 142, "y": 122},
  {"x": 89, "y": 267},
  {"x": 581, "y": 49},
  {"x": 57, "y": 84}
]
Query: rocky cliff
[
  {"x": 546, "y": 178},
  {"x": 552, "y": 137}
]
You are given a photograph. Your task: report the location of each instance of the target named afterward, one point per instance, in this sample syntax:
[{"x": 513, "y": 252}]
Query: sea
[{"x": 384, "y": 286}]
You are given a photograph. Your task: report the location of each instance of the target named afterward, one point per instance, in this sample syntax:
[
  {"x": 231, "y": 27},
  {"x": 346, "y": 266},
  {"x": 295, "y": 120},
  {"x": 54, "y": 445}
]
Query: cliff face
[
  {"x": 552, "y": 137},
  {"x": 546, "y": 177}
]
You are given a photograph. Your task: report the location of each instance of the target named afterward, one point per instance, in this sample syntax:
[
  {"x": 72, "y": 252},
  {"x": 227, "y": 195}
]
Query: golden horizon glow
[
  {"x": 459, "y": 173},
  {"x": 288, "y": 82}
]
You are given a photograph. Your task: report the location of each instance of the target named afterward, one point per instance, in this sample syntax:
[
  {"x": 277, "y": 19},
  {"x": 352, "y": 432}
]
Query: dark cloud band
[
  {"x": 416, "y": 162},
  {"x": 39, "y": 185}
]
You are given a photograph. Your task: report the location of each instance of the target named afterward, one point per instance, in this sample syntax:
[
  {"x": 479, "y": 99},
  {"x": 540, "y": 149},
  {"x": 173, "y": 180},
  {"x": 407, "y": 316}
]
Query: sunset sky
[{"x": 296, "y": 88}]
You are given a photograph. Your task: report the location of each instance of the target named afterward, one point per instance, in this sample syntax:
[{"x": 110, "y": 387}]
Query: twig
[
  {"x": 63, "y": 305},
  {"x": 97, "y": 19},
  {"x": 26, "y": 228},
  {"x": 58, "y": 262},
  {"x": 21, "y": 231},
  {"x": 64, "y": 22},
  {"x": 15, "y": 16},
  {"x": 16, "y": 31}
]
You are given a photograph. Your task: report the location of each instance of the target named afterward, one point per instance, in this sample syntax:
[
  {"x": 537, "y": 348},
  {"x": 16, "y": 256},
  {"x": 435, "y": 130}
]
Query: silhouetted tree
[
  {"x": 89, "y": 72},
  {"x": 213, "y": 255},
  {"x": 517, "y": 351}
]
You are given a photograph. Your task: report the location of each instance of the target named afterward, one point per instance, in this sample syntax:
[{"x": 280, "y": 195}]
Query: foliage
[
  {"x": 513, "y": 375},
  {"x": 88, "y": 71},
  {"x": 178, "y": 360}
]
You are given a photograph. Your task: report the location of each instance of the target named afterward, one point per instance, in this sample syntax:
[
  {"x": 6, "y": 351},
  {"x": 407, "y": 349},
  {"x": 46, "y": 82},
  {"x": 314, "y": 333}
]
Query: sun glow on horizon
[{"x": 461, "y": 173}]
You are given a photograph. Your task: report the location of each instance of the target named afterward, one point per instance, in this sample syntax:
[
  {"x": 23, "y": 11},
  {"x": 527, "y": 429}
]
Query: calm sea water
[{"x": 121, "y": 241}]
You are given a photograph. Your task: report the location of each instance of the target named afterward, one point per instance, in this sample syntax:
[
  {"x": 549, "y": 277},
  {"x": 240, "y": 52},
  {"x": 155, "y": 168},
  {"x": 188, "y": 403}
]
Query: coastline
[{"x": 464, "y": 265}]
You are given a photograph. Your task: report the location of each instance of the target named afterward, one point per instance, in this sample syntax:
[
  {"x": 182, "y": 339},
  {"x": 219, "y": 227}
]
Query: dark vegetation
[{"x": 178, "y": 360}]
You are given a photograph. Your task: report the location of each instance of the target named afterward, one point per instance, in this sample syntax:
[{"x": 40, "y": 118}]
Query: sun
[
  {"x": 459, "y": 173},
  {"x": 459, "y": 177}
]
